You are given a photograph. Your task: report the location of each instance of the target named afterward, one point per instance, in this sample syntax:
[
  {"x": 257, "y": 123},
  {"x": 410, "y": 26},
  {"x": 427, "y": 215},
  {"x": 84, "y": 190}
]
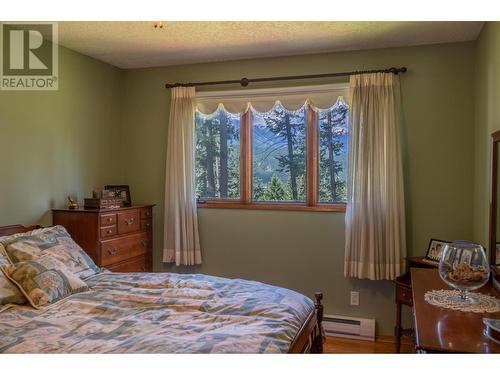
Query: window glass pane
[
  {"x": 218, "y": 155},
  {"x": 333, "y": 144},
  {"x": 279, "y": 155}
]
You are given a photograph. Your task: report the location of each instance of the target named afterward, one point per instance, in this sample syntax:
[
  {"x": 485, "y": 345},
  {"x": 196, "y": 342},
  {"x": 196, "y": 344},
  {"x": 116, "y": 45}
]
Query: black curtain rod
[{"x": 245, "y": 81}]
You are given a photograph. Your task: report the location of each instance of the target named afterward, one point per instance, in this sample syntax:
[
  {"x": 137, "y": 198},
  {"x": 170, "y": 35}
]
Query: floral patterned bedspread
[{"x": 160, "y": 313}]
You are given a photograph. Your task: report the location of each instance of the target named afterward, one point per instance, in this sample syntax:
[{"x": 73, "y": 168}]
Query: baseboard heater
[{"x": 349, "y": 327}]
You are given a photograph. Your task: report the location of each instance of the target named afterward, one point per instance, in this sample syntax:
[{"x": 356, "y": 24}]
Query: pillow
[
  {"x": 9, "y": 293},
  {"x": 54, "y": 241},
  {"x": 4, "y": 259},
  {"x": 44, "y": 280}
]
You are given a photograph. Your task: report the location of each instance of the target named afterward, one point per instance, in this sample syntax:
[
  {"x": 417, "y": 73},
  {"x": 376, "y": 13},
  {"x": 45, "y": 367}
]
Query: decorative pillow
[
  {"x": 9, "y": 293},
  {"x": 54, "y": 241},
  {"x": 44, "y": 280}
]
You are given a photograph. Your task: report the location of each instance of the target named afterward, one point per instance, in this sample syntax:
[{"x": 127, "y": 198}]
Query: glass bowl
[{"x": 464, "y": 266}]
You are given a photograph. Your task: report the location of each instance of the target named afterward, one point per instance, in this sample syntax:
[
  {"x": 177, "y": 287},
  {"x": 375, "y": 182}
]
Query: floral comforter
[{"x": 160, "y": 313}]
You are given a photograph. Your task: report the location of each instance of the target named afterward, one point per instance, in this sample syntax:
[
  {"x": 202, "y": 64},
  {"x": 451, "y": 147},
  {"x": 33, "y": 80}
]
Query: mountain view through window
[
  {"x": 333, "y": 144},
  {"x": 275, "y": 156},
  {"x": 279, "y": 155}
]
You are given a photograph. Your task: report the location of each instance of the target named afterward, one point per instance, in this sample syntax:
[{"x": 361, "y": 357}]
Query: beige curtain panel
[
  {"x": 181, "y": 239},
  {"x": 375, "y": 215}
]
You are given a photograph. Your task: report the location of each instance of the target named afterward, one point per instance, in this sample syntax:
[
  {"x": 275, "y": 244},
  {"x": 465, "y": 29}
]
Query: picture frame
[
  {"x": 466, "y": 257},
  {"x": 435, "y": 249},
  {"x": 120, "y": 191}
]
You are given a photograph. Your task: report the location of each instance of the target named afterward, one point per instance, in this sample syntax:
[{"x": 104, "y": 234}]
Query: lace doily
[{"x": 445, "y": 298}]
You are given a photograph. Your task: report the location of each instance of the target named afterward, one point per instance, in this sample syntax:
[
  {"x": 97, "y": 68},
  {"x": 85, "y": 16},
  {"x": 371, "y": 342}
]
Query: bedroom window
[
  {"x": 279, "y": 155},
  {"x": 273, "y": 149},
  {"x": 332, "y": 125},
  {"x": 218, "y": 155}
]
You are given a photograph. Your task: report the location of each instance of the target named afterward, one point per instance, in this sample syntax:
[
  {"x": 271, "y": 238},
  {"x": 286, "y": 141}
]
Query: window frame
[{"x": 246, "y": 174}]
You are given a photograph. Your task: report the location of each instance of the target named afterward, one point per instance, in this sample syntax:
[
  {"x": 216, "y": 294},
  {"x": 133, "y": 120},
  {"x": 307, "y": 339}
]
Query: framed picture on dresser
[
  {"x": 435, "y": 249},
  {"x": 120, "y": 191}
]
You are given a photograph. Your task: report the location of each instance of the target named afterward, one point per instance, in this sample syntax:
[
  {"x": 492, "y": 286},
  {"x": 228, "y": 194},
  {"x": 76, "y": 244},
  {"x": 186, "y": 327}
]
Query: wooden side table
[{"x": 403, "y": 295}]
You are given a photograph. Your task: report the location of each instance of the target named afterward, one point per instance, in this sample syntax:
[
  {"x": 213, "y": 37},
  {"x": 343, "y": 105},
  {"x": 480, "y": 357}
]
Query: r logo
[
  {"x": 35, "y": 41},
  {"x": 29, "y": 56}
]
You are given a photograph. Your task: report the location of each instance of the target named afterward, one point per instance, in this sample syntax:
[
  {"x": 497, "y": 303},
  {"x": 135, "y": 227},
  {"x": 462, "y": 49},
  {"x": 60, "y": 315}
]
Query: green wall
[
  {"x": 487, "y": 120},
  {"x": 303, "y": 250},
  {"x": 55, "y": 143}
]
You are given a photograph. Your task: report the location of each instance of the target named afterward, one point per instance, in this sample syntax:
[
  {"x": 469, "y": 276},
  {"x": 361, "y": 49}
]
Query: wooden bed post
[{"x": 317, "y": 345}]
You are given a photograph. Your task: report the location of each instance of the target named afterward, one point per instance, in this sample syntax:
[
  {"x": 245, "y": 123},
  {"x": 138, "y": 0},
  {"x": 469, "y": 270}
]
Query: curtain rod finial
[
  {"x": 244, "y": 82},
  {"x": 398, "y": 70}
]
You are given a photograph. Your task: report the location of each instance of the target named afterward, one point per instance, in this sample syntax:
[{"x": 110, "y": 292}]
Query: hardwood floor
[{"x": 383, "y": 344}]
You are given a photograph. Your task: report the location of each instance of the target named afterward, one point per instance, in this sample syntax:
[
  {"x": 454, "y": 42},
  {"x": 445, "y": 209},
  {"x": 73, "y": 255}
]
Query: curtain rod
[{"x": 245, "y": 81}]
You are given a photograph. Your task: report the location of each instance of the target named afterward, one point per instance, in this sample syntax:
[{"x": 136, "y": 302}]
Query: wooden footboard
[{"x": 310, "y": 337}]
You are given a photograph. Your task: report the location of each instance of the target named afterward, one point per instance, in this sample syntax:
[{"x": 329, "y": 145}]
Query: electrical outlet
[{"x": 354, "y": 298}]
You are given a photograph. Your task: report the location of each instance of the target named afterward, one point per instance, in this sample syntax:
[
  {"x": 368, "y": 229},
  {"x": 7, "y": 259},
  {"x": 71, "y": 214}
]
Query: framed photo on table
[{"x": 435, "y": 249}]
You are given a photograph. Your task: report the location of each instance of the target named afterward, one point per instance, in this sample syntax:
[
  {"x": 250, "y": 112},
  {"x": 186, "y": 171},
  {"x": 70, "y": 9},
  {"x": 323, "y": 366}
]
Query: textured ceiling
[{"x": 139, "y": 44}]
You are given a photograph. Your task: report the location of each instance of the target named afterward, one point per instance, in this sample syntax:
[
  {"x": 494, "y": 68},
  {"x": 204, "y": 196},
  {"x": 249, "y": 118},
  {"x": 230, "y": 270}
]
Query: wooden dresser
[
  {"x": 441, "y": 330},
  {"x": 118, "y": 239}
]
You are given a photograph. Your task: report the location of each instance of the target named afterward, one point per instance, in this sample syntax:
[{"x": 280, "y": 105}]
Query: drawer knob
[
  {"x": 129, "y": 221},
  {"x": 144, "y": 243},
  {"x": 112, "y": 251},
  {"x": 109, "y": 231},
  {"x": 110, "y": 220}
]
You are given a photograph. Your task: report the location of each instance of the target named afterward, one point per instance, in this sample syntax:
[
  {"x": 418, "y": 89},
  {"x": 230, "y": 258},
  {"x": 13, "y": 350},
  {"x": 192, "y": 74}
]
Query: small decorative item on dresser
[
  {"x": 72, "y": 205},
  {"x": 103, "y": 203},
  {"x": 464, "y": 266},
  {"x": 120, "y": 191},
  {"x": 435, "y": 249}
]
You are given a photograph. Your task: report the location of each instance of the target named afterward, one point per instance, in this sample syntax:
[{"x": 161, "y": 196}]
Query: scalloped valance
[{"x": 263, "y": 100}]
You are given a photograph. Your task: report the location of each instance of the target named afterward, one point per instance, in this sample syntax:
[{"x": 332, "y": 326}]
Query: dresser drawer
[
  {"x": 120, "y": 249},
  {"x": 108, "y": 219},
  {"x": 403, "y": 295},
  {"x": 146, "y": 213},
  {"x": 128, "y": 221},
  {"x": 139, "y": 264},
  {"x": 108, "y": 231},
  {"x": 146, "y": 224}
]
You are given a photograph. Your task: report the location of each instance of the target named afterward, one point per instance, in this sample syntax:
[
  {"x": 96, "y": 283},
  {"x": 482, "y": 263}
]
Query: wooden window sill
[{"x": 339, "y": 207}]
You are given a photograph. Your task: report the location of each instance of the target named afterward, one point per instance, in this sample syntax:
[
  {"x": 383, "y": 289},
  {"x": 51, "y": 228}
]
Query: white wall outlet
[{"x": 354, "y": 298}]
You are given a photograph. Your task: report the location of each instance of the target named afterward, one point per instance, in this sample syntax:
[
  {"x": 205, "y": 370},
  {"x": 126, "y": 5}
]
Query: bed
[{"x": 166, "y": 313}]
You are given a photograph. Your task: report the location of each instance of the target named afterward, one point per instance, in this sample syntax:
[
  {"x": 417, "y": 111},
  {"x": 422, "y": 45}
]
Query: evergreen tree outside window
[
  {"x": 275, "y": 159},
  {"x": 333, "y": 144},
  {"x": 217, "y": 155},
  {"x": 279, "y": 155}
]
